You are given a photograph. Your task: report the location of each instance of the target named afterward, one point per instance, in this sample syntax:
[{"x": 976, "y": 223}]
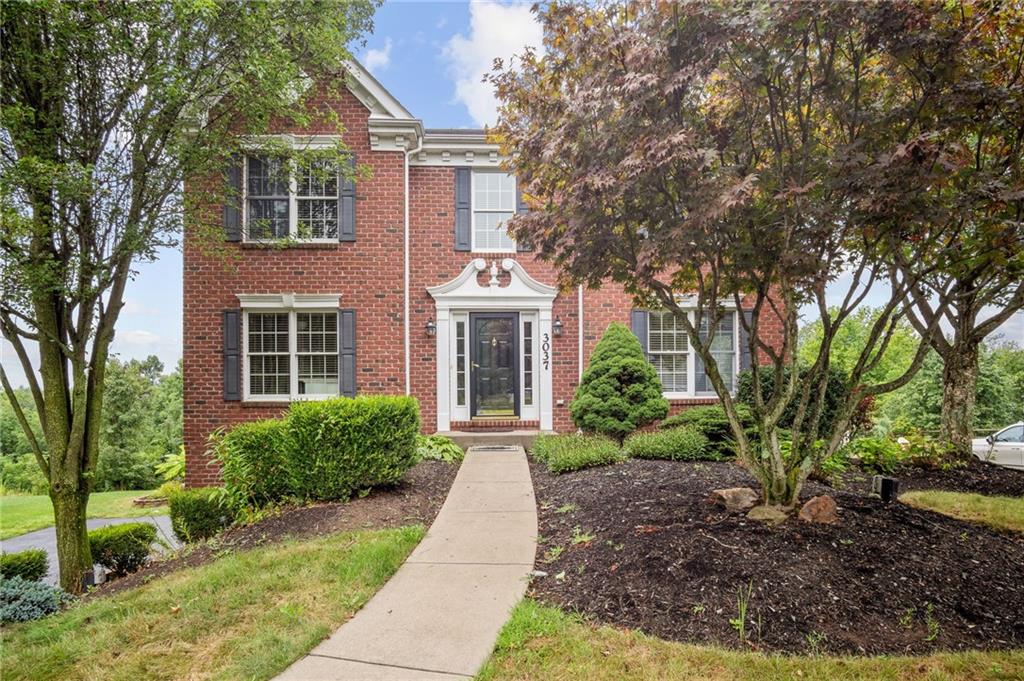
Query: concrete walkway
[
  {"x": 439, "y": 616},
  {"x": 46, "y": 538}
]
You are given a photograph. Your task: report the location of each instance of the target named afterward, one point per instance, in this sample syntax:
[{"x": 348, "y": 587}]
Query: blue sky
[{"x": 431, "y": 56}]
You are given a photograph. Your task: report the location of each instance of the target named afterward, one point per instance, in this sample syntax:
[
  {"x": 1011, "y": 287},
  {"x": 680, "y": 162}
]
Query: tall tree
[
  {"x": 107, "y": 106},
  {"x": 701, "y": 154}
]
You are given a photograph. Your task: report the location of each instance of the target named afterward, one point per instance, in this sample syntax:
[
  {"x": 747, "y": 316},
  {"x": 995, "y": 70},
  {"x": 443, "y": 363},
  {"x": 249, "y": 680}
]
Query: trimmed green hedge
[
  {"x": 324, "y": 450},
  {"x": 122, "y": 548},
  {"x": 30, "y": 565},
  {"x": 675, "y": 444},
  {"x": 712, "y": 422},
  {"x": 564, "y": 453},
  {"x": 346, "y": 445},
  {"x": 197, "y": 514}
]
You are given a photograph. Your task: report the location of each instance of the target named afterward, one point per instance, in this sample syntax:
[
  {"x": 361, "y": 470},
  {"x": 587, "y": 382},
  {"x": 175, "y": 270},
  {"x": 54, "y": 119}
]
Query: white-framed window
[
  {"x": 290, "y": 354},
  {"x": 285, "y": 199},
  {"x": 677, "y": 363},
  {"x": 494, "y": 202}
]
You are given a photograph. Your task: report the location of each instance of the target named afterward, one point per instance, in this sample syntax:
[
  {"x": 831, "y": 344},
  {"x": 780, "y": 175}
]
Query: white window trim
[
  {"x": 293, "y": 210},
  {"x": 472, "y": 216},
  {"x": 691, "y": 361},
  {"x": 293, "y": 355}
]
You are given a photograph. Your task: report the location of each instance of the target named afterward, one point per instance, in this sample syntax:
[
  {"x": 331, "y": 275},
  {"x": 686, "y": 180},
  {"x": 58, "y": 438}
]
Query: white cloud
[
  {"x": 495, "y": 31},
  {"x": 378, "y": 60},
  {"x": 137, "y": 337}
]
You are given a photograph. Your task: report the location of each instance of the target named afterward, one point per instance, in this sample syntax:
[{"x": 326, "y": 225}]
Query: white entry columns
[{"x": 463, "y": 294}]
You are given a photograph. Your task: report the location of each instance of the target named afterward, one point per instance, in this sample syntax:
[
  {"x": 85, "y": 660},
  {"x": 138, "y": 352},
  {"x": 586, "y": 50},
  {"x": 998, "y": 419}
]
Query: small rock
[
  {"x": 821, "y": 509},
  {"x": 768, "y": 514},
  {"x": 734, "y": 499},
  {"x": 539, "y": 573}
]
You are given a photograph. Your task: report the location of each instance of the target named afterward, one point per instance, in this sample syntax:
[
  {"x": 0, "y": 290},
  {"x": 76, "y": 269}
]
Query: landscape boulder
[
  {"x": 821, "y": 509},
  {"x": 772, "y": 515},
  {"x": 734, "y": 499}
]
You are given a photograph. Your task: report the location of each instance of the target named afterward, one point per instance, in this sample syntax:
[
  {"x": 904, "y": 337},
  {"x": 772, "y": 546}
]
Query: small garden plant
[
  {"x": 122, "y": 548},
  {"x": 438, "y": 448},
  {"x": 564, "y": 453},
  {"x": 198, "y": 514},
  {"x": 675, "y": 444},
  {"x": 23, "y": 600},
  {"x": 31, "y": 565}
]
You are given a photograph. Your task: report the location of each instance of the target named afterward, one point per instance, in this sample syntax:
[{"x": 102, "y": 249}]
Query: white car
[{"x": 1004, "y": 447}]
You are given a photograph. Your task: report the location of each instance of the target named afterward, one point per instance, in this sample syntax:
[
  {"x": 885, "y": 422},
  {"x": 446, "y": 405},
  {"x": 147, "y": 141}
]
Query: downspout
[
  {"x": 579, "y": 349},
  {"x": 405, "y": 272}
]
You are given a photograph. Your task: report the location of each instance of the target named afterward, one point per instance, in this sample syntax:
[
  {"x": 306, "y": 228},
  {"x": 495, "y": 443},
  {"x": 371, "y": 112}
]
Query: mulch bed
[
  {"x": 887, "y": 579},
  {"x": 415, "y": 500}
]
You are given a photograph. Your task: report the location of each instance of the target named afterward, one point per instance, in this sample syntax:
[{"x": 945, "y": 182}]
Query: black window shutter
[
  {"x": 233, "y": 201},
  {"x": 638, "y": 322},
  {"x": 347, "y": 352},
  {"x": 232, "y": 355},
  {"x": 745, "y": 341},
  {"x": 521, "y": 207},
  {"x": 463, "y": 218},
  {"x": 347, "y": 204}
]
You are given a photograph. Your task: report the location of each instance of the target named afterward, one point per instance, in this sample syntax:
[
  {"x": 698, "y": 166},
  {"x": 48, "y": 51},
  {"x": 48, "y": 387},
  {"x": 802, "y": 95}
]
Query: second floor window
[
  {"x": 280, "y": 204},
  {"x": 494, "y": 202}
]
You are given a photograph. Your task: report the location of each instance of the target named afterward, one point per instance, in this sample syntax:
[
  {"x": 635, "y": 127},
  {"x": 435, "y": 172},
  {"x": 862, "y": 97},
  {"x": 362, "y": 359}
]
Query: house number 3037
[{"x": 545, "y": 351}]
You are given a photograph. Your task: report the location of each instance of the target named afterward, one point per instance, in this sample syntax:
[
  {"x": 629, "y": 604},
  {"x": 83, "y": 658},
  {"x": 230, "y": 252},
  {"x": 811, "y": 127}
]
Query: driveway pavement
[
  {"x": 46, "y": 539},
  {"x": 439, "y": 616}
]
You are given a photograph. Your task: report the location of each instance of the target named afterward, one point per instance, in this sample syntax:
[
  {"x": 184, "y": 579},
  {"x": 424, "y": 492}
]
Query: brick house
[{"x": 405, "y": 282}]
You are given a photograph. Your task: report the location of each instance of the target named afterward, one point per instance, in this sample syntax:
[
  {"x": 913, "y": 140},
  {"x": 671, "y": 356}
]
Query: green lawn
[
  {"x": 21, "y": 514},
  {"x": 544, "y": 644},
  {"x": 1005, "y": 514},
  {"x": 247, "y": 615}
]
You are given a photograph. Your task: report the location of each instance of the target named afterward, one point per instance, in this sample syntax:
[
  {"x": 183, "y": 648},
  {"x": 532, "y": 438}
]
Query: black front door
[{"x": 494, "y": 364}]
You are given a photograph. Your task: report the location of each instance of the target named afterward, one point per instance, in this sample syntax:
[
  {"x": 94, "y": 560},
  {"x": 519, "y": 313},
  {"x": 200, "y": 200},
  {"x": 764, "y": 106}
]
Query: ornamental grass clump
[{"x": 564, "y": 453}]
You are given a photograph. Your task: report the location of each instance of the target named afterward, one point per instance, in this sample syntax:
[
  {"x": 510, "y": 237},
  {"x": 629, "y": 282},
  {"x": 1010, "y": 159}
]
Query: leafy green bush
[
  {"x": 438, "y": 448},
  {"x": 23, "y": 600},
  {"x": 925, "y": 452},
  {"x": 254, "y": 462},
  {"x": 835, "y": 395},
  {"x": 173, "y": 466},
  {"x": 876, "y": 454},
  {"x": 714, "y": 424},
  {"x": 620, "y": 390},
  {"x": 122, "y": 548},
  {"x": 564, "y": 453},
  {"x": 675, "y": 444},
  {"x": 345, "y": 445},
  {"x": 167, "y": 489},
  {"x": 30, "y": 565},
  {"x": 198, "y": 514}
]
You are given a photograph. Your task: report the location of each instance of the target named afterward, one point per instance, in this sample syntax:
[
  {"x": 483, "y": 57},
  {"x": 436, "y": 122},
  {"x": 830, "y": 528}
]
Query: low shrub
[
  {"x": 23, "y": 600},
  {"x": 198, "y": 514},
  {"x": 122, "y": 548},
  {"x": 438, "y": 448},
  {"x": 342, "y": 446},
  {"x": 712, "y": 422},
  {"x": 31, "y": 565},
  {"x": 876, "y": 454},
  {"x": 564, "y": 453},
  {"x": 254, "y": 459},
  {"x": 675, "y": 444},
  {"x": 165, "y": 490},
  {"x": 924, "y": 452}
]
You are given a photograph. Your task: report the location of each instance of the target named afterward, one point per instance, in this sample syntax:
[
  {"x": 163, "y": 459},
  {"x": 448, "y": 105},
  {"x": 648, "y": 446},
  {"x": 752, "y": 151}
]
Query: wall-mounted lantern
[
  {"x": 430, "y": 327},
  {"x": 556, "y": 327}
]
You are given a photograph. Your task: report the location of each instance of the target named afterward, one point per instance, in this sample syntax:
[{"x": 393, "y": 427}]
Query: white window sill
[{"x": 277, "y": 399}]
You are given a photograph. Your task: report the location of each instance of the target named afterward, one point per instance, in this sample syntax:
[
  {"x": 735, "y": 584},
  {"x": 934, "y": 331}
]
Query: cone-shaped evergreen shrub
[{"x": 620, "y": 390}]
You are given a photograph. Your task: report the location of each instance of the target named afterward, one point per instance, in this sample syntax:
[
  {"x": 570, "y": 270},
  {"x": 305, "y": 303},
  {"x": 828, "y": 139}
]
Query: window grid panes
[
  {"x": 317, "y": 200},
  {"x": 669, "y": 350},
  {"x": 268, "y": 354},
  {"x": 460, "y": 363},
  {"x": 316, "y": 338},
  {"x": 528, "y": 363},
  {"x": 494, "y": 202},
  {"x": 723, "y": 349},
  {"x": 267, "y": 209}
]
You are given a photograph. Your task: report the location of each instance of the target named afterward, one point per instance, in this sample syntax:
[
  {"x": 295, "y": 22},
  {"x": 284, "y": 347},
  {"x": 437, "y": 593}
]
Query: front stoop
[
  {"x": 471, "y": 438},
  {"x": 439, "y": 616}
]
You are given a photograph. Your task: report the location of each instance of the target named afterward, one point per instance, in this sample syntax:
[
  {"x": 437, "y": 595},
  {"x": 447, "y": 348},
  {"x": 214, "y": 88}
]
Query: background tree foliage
[
  {"x": 710, "y": 153},
  {"x": 108, "y": 106}
]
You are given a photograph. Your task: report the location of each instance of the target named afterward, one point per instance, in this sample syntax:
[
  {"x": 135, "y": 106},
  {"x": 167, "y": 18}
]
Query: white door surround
[{"x": 460, "y": 296}]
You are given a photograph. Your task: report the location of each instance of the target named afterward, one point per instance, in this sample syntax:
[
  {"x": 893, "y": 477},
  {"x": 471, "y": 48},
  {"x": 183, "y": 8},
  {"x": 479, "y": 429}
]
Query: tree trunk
[
  {"x": 959, "y": 383},
  {"x": 73, "y": 555}
]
